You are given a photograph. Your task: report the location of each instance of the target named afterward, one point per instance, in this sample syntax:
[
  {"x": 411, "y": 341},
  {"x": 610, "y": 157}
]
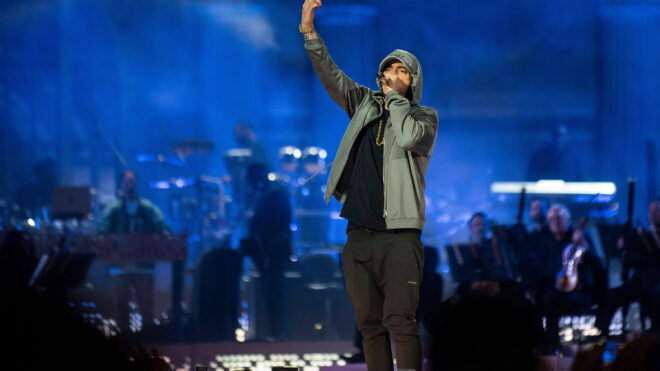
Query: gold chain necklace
[{"x": 380, "y": 128}]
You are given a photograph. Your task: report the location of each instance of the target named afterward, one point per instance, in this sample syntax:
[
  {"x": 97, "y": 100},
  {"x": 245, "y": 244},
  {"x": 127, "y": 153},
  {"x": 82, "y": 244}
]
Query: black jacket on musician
[{"x": 590, "y": 271}]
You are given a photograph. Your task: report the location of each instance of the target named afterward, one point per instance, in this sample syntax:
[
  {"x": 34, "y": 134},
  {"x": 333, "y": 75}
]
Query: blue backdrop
[{"x": 145, "y": 74}]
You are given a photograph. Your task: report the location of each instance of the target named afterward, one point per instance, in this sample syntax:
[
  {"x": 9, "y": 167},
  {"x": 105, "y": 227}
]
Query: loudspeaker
[{"x": 216, "y": 294}]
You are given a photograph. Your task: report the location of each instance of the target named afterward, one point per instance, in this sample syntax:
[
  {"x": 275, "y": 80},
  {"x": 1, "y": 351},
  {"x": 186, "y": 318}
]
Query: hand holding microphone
[
  {"x": 389, "y": 82},
  {"x": 395, "y": 76}
]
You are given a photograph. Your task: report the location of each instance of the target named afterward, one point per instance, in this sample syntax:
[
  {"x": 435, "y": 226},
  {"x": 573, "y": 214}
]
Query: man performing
[
  {"x": 556, "y": 297},
  {"x": 642, "y": 257},
  {"x": 132, "y": 214},
  {"x": 378, "y": 174}
]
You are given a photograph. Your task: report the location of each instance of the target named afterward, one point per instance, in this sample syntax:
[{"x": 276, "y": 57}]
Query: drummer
[{"x": 246, "y": 137}]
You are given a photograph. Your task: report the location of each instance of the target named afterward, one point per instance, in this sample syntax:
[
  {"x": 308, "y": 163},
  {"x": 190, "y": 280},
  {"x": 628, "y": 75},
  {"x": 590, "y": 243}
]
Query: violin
[{"x": 568, "y": 278}]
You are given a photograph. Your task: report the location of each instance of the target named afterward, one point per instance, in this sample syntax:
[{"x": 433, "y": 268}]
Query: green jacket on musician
[
  {"x": 410, "y": 135},
  {"x": 147, "y": 218}
]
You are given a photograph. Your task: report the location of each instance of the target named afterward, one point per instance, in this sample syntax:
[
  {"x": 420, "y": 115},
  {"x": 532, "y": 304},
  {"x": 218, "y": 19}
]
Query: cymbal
[
  {"x": 172, "y": 183},
  {"x": 213, "y": 179},
  {"x": 237, "y": 153},
  {"x": 192, "y": 146},
  {"x": 184, "y": 182},
  {"x": 158, "y": 159}
]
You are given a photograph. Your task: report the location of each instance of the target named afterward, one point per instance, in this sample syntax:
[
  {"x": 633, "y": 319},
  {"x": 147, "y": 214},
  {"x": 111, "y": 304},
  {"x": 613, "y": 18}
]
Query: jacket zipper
[
  {"x": 384, "y": 184},
  {"x": 384, "y": 198}
]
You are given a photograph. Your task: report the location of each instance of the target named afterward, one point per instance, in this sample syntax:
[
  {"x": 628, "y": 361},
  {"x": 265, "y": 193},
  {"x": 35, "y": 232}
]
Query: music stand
[
  {"x": 71, "y": 202},
  {"x": 486, "y": 262},
  {"x": 61, "y": 267},
  {"x": 642, "y": 250},
  {"x": 609, "y": 236},
  {"x": 496, "y": 261},
  {"x": 464, "y": 268}
]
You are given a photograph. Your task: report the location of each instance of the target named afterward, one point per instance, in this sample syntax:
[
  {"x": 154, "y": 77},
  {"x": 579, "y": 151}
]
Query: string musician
[
  {"x": 573, "y": 278},
  {"x": 641, "y": 273},
  {"x": 478, "y": 238},
  {"x": 488, "y": 321}
]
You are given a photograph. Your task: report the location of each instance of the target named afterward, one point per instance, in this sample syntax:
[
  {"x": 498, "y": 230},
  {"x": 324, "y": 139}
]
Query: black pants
[
  {"x": 135, "y": 288},
  {"x": 383, "y": 271},
  {"x": 272, "y": 289},
  {"x": 557, "y": 303},
  {"x": 642, "y": 289}
]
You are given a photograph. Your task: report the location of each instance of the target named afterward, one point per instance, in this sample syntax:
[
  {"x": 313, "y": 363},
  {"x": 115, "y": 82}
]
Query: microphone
[{"x": 383, "y": 80}]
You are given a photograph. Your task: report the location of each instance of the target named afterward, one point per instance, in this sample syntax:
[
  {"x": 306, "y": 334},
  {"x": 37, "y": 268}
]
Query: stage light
[
  {"x": 557, "y": 187},
  {"x": 240, "y": 335},
  {"x": 163, "y": 184},
  {"x": 290, "y": 151}
]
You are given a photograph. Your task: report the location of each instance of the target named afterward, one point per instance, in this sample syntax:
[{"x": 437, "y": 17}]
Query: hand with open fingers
[{"x": 308, "y": 8}]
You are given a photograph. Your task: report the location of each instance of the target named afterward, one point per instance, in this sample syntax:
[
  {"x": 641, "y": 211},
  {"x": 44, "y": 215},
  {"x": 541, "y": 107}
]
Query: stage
[{"x": 307, "y": 356}]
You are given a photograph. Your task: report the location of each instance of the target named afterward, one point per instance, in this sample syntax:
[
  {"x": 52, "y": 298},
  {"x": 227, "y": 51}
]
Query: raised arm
[{"x": 345, "y": 92}]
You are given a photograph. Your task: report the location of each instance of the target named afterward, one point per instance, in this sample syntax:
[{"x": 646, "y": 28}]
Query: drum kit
[
  {"x": 196, "y": 202},
  {"x": 206, "y": 207},
  {"x": 210, "y": 208}
]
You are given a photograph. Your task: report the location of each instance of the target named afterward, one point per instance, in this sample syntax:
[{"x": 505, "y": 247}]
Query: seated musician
[
  {"x": 246, "y": 137},
  {"x": 530, "y": 264},
  {"x": 132, "y": 214},
  {"x": 559, "y": 295},
  {"x": 477, "y": 228},
  {"x": 641, "y": 273},
  {"x": 654, "y": 231},
  {"x": 487, "y": 323},
  {"x": 477, "y": 237},
  {"x": 538, "y": 208}
]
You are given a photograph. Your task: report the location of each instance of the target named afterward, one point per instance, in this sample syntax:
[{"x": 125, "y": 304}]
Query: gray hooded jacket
[{"x": 410, "y": 135}]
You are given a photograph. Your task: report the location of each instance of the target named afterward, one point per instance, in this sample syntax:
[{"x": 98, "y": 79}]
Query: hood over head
[{"x": 415, "y": 69}]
